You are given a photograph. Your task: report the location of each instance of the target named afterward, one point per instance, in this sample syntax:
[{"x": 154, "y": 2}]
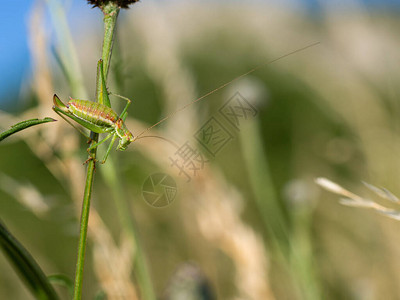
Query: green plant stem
[
  {"x": 110, "y": 18},
  {"x": 111, "y": 12},
  {"x": 84, "y": 227}
]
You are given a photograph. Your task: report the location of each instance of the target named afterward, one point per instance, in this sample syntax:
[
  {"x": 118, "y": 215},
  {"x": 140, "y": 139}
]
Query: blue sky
[
  {"x": 14, "y": 53},
  {"x": 14, "y": 43}
]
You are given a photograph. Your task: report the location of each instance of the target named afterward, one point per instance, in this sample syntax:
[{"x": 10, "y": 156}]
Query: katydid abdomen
[{"x": 98, "y": 114}]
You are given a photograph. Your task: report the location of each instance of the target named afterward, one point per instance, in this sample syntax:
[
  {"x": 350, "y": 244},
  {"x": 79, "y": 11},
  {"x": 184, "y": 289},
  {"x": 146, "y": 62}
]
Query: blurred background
[{"x": 242, "y": 217}]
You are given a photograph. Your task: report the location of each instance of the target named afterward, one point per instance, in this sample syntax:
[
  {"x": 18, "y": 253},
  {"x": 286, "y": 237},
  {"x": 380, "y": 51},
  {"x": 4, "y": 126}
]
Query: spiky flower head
[{"x": 119, "y": 3}]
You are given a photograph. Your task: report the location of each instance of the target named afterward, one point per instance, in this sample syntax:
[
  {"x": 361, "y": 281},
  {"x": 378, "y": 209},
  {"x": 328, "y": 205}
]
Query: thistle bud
[{"x": 119, "y": 3}]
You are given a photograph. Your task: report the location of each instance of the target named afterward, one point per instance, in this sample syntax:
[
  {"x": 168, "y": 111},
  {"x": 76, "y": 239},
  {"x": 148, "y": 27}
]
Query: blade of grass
[
  {"x": 266, "y": 197},
  {"x": 68, "y": 60},
  {"x": 23, "y": 125},
  {"x": 292, "y": 250},
  {"x": 27, "y": 267},
  {"x": 66, "y": 49},
  {"x": 142, "y": 273}
]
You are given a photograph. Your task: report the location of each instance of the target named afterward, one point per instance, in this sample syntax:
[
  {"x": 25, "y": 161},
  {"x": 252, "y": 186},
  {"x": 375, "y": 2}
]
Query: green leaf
[
  {"x": 26, "y": 266},
  {"x": 23, "y": 125}
]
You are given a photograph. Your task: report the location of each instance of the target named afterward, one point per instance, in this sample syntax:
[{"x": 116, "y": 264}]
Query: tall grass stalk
[
  {"x": 84, "y": 226},
  {"x": 111, "y": 11},
  {"x": 110, "y": 174},
  {"x": 293, "y": 249},
  {"x": 66, "y": 51}
]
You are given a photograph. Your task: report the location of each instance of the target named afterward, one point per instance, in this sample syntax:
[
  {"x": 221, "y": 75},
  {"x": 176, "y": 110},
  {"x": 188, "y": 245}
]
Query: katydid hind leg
[
  {"x": 60, "y": 112},
  {"x": 101, "y": 88}
]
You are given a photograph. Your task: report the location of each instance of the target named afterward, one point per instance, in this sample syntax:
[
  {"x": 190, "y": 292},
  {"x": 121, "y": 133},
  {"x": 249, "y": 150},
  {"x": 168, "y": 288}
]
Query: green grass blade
[
  {"x": 66, "y": 52},
  {"x": 27, "y": 268},
  {"x": 23, "y": 125},
  {"x": 260, "y": 175}
]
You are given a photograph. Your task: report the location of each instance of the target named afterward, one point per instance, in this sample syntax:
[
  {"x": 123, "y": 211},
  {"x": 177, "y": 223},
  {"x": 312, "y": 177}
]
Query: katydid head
[
  {"x": 125, "y": 136},
  {"x": 126, "y": 139}
]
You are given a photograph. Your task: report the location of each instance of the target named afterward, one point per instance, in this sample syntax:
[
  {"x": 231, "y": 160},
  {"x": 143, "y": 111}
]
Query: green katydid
[
  {"x": 99, "y": 118},
  {"x": 96, "y": 116}
]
